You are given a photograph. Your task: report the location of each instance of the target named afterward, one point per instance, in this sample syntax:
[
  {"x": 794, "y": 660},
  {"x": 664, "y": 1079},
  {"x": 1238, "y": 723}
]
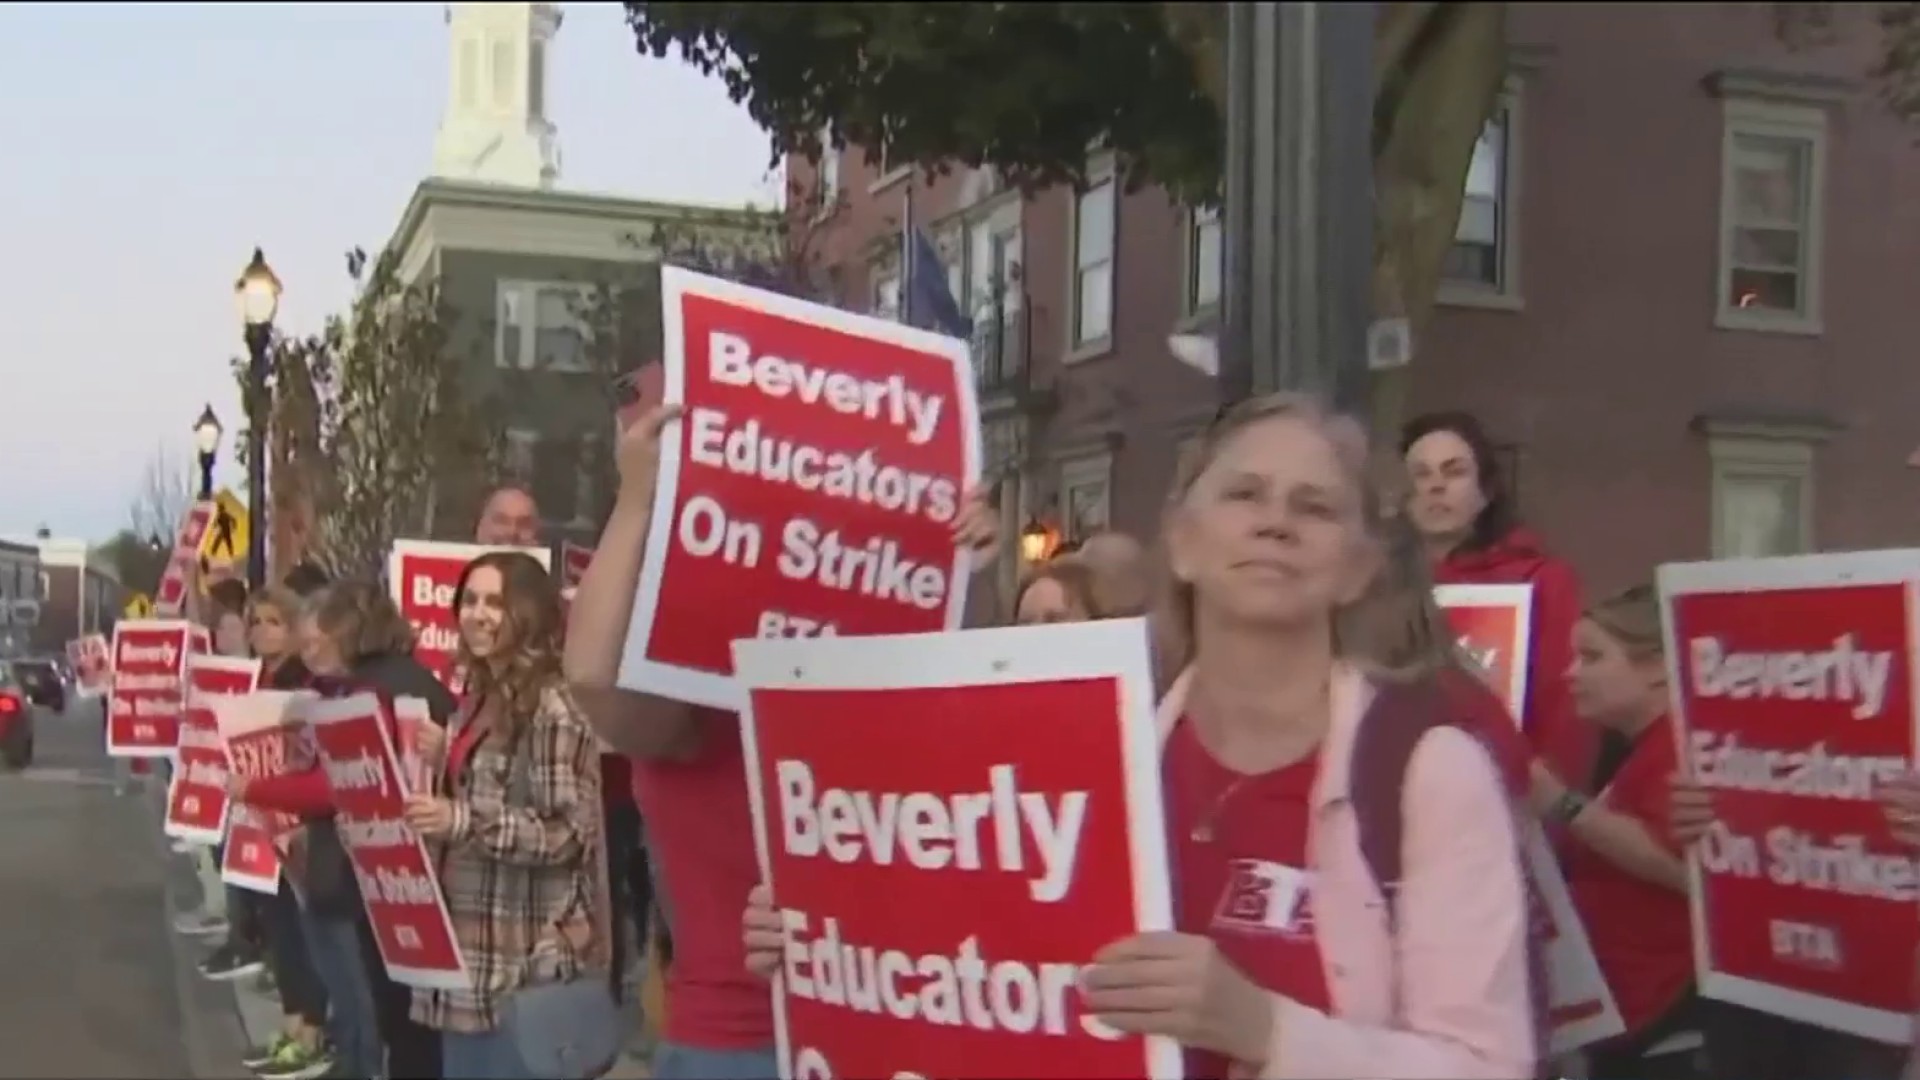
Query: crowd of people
[
  {"x": 1315, "y": 713},
  {"x": 532, "y": 827}
]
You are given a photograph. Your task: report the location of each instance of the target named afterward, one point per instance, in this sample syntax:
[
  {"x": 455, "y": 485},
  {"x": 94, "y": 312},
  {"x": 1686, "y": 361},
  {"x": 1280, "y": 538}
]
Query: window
[
  {"x": 555, "y": 470},
  {"x": 1762, "y": 496},
  {"x": 541, "y": 327},
  {"x": 1482, "y": 265},
  {"x": 1093, "y": 221},
  {"x": 537, "y": 80},
  {"x": 886, "y": 293},
  {"x": 469, "y": 73},
  {"x": 1084, "y": 488},
  {"x": 1770, "y": 216},
  {"x": 502, "y": 74},
  {"x": 1205, "y": 259},
  {"x": 829, "y": 166}
]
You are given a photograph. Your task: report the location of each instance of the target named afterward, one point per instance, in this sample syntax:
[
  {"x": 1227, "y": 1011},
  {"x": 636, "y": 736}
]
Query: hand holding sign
[
  {"x": 1179, "y": 986},
  {"x": 765, "y": 937},
  {"x": 638, "y": 456}
]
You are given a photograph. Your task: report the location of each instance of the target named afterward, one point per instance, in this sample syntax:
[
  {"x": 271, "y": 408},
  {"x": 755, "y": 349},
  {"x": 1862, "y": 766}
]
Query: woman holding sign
[
  {"x": 519, "y": 830},
  {"x": 1284, "y": 965},
  {"x": 1460, "y": 504},
  {"x": 1625, "y": 874}
]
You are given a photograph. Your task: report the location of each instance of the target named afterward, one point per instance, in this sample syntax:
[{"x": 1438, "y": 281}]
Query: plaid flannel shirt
[{"x": 525, "y": 882}]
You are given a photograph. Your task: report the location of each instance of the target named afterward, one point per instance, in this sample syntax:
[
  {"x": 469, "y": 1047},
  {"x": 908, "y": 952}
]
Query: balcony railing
[{"x": 1000, "y": 353}]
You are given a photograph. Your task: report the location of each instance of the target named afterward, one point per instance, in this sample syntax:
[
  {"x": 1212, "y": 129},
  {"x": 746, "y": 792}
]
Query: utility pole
[{"x": 1299, "y": 201}]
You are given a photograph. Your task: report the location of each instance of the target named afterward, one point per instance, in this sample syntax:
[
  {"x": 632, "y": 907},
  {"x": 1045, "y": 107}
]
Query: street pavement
[{"x": 94, "y": 983}]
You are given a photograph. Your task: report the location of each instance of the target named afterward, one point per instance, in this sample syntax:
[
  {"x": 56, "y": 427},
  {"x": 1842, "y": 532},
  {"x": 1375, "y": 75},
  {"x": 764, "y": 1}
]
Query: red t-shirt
[
  {"x": 1642, "y": 934},
  {"x": 1238, "y": 847},
  {"x": 700, "y": 831}
]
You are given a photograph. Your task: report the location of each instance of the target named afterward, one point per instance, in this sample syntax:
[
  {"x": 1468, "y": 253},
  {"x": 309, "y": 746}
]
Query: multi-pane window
[
  {"x": 543, "y": 326},
  {"x": 1205, "y": 258},
  {"x": 1093, "y": 251},
  {"x": 1480, "y": 240}
]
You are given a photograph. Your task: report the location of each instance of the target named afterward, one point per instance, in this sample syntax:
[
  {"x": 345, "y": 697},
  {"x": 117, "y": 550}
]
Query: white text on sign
[
  {"x": 876, "y": 569},
  {"x": 1844, "y": 673},
  {"x": 935, "y": 832},
  {"x": 731, "y": 362}
]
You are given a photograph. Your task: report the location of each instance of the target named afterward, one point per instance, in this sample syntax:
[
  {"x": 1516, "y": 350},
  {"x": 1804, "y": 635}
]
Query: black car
[
  {"x": 16, "y": 720},
  {"x": 43, "y": 683}
]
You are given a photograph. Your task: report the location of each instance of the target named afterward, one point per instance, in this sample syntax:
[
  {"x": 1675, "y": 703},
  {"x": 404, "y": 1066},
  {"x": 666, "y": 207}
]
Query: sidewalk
[{"x": 258, "y": 1011}]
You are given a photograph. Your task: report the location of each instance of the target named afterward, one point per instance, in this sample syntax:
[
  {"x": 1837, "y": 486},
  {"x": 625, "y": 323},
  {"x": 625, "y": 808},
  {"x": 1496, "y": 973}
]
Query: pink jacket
[{"x": 1458, "y": 965}]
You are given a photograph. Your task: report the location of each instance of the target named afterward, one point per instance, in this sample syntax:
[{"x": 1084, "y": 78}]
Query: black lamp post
[
  {"x": 258, "y": 294},
  {"x": 206, "y": 437}
]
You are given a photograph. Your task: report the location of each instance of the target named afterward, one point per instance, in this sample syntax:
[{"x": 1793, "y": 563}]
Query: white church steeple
[{"x": 495, "y": 129}]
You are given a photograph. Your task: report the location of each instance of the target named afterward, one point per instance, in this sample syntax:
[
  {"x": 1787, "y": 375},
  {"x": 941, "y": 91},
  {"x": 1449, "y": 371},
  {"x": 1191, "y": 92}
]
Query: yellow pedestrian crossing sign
[
  {"x": 225, "y": 541},
  {"x": 139, "y": 606}
]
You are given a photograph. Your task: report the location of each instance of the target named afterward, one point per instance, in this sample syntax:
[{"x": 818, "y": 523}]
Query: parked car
[
  {"x": 44, "y": 683},
  {"x": 16, "y": 719}
]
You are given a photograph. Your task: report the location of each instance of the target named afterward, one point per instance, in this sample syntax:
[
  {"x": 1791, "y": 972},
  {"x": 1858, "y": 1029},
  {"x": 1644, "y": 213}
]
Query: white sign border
[
  {"x": 1106, "y": 649},
  {"x": 715, "y": 689},
  {"x": 1841, "y": 569},
  {"x": 228, "y": 665}
]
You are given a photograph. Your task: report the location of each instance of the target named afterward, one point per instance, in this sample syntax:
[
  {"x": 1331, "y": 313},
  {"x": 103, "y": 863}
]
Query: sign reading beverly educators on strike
[
  {"x": 810, "y": 487},
  {"x": 265, "y": 736},
  {"x": 952, "y": 826},
  {"x": 170, "y": 598},
  {"x": 197, "y": 795},
  {"x": 1492, "y": 627},
  {"x": 92, "y": 662},
  {"x": 403, "y": 901},
  {"x": 422, "y": 575},
  {"x": 1493, "y": 631},
  {"x": 1794, "y": 682},
  {"x": 149, "y": 672}
]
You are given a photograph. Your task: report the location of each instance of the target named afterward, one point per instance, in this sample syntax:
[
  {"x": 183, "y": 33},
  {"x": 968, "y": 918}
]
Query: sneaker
[
  {"x": 295, "y": 1062},
  {"x": 199, "y": 924},
  {"x": 258, "y": 1057},
  {"x": 180, "y": 847},
  {"x": 229, "y": 963}
]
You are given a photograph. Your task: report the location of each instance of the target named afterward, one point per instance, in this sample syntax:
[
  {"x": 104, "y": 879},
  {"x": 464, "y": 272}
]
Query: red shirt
[
  {"x": 1238, "y": 847},
  {"x": 1642, "y": 933},
  {"x": 700, "y": 831}
]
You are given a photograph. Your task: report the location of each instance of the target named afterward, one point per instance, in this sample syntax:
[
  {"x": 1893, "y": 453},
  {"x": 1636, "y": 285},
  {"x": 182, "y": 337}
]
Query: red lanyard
[{"x": 460, "y": 750}]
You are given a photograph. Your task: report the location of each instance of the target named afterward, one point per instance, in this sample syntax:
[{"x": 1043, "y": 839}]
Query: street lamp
[
  {"x": 258, "y": 295},
  {"x": 206, "y": 436},
  {"x": 1038, "y": 541}
]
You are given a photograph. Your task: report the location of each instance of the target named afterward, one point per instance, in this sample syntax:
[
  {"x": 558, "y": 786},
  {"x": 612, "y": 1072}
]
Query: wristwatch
[{"x": 1567, "y": 807}]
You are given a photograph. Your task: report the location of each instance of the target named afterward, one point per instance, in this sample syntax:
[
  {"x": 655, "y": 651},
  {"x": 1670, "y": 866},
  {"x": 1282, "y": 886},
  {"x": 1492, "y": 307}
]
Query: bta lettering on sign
[
  {"x": 952, "y": 825},
  {"x": 197, "y": 793},
  {"x": 809, "y": 489},
  {"x": 149, "y": 674},
  {"x": 402, "y": 895},
  {"x": 422, "y": 576},
  {"x": 1794, "y": 681}
]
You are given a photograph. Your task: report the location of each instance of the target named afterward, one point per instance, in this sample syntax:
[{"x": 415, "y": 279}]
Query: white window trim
[
  {"x": 1194, "y": 314},
  {"x": 527, "y": 291},
  {"x": 1505, "y": 296},
  {"x": 828, "y": 182},
  {"x": 1744, "y": 116},
  {"x": 1752, "y": 456},
  {"x": 1099, "y": 170},
  {"x": 881, "y": 270},
  {"x": 1081, "y": 471}
]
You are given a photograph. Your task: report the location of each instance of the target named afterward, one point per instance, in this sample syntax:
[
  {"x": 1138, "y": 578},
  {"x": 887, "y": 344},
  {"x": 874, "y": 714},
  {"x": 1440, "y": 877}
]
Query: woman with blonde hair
[
  {"x": 1279, "y": 739},
  {"x": 519, "y": 835},
  {"x": 1060, "y": 590}
]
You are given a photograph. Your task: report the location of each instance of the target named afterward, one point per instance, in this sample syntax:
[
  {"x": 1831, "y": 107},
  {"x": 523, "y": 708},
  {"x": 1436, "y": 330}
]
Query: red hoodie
[{"x": 1561, "y": 739}]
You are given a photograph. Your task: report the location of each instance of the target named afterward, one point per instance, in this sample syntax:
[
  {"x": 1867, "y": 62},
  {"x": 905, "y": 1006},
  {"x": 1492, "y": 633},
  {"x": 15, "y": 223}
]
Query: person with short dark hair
[
  {"x": 1462, "y": 507},
  {"x": 510, "y": 518}
]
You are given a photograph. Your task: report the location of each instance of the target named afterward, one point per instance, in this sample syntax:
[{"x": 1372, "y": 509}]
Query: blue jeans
[
  {"x": 673, "y": 1062},
  {"x": 483, "y": 1055},
  {"x": 334, "y": 946}
]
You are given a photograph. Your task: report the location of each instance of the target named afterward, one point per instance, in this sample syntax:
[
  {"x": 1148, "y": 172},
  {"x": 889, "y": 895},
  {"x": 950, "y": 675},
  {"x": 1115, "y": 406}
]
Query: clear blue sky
[{"x": 149, "y": 148}]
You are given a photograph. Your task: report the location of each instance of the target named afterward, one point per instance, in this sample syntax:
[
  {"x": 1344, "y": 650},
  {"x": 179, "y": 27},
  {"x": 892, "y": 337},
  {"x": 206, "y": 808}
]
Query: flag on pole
[{"x": 926, "y": 300}]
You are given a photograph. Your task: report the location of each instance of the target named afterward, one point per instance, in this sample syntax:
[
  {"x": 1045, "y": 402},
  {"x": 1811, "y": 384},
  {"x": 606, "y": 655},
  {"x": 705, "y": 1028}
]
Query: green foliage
[
  {"x": 1896, "y": 67},
  {"x": 134, "y": 559},
  {"x": 1025, "y": 88}
]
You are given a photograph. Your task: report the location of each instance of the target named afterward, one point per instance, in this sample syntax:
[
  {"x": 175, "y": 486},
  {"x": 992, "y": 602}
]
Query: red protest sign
[
  {"x": 197, "y": 795},
  {"x": 92, "y": 663},
  {"x": 810, "y": 487},
  {"x": 1015, "y": 768},
  {"x": 1793, "y": 679},
  {"x": 1492, "y": 627},
  {"x": 397, "y": 882},
  {"x": 170, "y": 598},
  {"x": 264, "y": 734},
  {"x": 421, "y": 577},
  {"x": 149, "y": 667}
]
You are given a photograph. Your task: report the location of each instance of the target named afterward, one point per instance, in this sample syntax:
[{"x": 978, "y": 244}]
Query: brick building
[{"x": 1678, "y": 297}]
